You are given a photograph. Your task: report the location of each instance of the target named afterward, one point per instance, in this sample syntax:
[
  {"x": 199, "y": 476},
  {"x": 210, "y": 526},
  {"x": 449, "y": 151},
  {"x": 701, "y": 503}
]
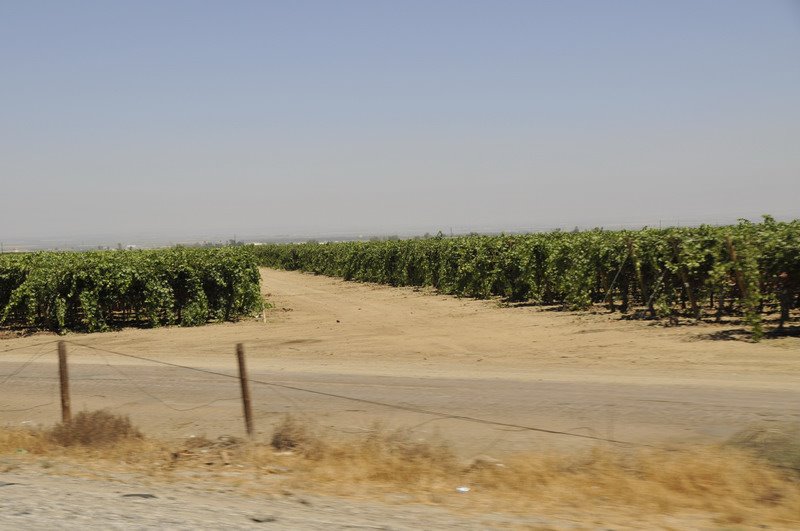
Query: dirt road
[{"x": 584, "y": 374}]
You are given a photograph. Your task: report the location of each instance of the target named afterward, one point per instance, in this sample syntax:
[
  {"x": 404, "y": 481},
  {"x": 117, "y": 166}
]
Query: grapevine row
[
  {"x": 744, "y": 270},
  {"x": 96, "y": 291}
]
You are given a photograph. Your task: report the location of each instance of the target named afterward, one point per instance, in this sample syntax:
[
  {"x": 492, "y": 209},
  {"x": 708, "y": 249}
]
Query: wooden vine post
[
  {"x": 685, "y": 280},
  {"x": 639, "y": 277},
  {"x": 736, "y": 268}
]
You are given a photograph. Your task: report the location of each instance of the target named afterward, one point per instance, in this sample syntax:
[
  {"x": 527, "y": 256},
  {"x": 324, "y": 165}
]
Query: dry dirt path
[{"x": 580, "y": 373}]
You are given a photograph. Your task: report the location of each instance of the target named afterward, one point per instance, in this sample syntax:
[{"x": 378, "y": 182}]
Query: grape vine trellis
[
  {"x": 95, "y": 291},
  {"x": 745, "y": 269}
]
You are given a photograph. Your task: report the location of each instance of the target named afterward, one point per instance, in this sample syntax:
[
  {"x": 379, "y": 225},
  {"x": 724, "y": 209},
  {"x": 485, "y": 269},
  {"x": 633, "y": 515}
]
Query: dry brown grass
[
  {"x": 25, "y": 441},
  {"x": 291, "y": 434},
  {"x": 94, "y": 428},
  {"x": 728, "y": 485},
  {"x": 733, "y": 485},
  {"x": 778, "y": 444},
  {"x": 390, "y": 458},
  {"x": 97, "y": 437}
]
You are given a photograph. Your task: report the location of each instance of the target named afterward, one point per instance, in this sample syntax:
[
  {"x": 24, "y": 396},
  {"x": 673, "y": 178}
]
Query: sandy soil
[
  {"x": 587, "y": 374},
  {"x": 583, "y": 374}
]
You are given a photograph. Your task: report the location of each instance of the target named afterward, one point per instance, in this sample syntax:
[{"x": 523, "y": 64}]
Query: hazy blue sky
[{"x": 210, "y": 117}]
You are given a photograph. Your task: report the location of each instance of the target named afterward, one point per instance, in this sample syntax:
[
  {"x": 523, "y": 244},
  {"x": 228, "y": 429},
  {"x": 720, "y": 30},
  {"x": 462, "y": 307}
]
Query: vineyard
[
  {"x": 748, "y": 270},
  {"x": 96, "y": 291}
]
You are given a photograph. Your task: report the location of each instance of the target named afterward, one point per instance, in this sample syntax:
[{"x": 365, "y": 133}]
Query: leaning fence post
[
  {"x": 63, "y": 376},
  {"x": 248, "y": 411}
]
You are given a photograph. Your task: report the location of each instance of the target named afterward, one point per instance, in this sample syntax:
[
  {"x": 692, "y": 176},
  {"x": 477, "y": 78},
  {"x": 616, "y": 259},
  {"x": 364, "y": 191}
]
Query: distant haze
[{"x": 163, "y": 121}]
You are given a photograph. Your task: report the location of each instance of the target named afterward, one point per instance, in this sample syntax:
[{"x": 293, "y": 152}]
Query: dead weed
[{"x": 94, "y": 428}]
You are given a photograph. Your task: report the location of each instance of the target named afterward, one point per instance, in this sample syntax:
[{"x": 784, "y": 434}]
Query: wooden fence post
[
  {"x": 642, "y": 288},
  {"x": 63, "y": 376},
  {"x": 248, "y": 411}
]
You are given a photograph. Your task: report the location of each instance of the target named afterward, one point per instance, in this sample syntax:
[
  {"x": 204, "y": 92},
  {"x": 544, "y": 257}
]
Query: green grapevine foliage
[
  {"x": 96, "y": 291},
  {"x": 742, "y": 270}
]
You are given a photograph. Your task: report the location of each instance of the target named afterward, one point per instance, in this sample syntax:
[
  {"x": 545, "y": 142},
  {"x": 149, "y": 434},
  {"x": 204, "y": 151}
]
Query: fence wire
[
  {"x": 173, "y": 399},
  {"x": 274, "y": 386}
]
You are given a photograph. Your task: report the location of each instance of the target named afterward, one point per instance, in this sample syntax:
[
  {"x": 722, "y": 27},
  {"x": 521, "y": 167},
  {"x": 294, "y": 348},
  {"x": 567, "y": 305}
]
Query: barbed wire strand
[
  {"x": 412, "y": 409},
  {"x": 52, "y": 341},
  {"x": 23, "y": 366},
  {"x": 154, "y": 397},
  {"x": 25, "y": 408},
  {"x": 313, "y": 420},
  {"x": 294, "y": 404}
]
